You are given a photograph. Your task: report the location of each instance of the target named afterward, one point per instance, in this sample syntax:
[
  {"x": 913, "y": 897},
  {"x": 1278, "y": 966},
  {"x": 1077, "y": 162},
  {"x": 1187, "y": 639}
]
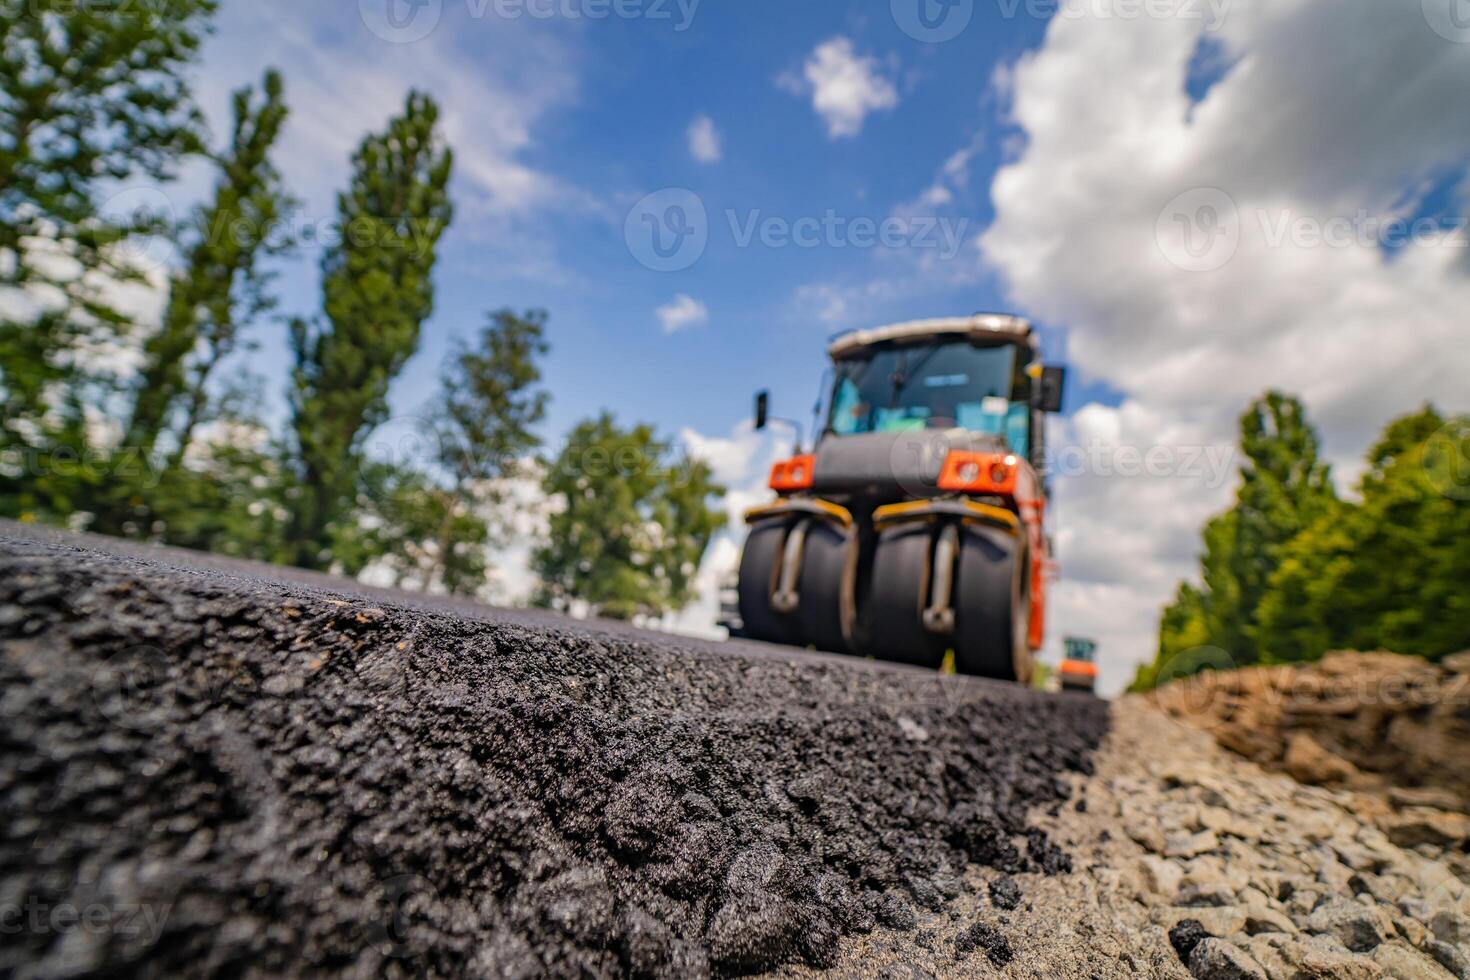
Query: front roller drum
[
  {"x": 892, "y": 609},
  {"x": 992, "y": 606},
  {"x": 822, "y": 604},
  {"x": 760, "y": 565}
]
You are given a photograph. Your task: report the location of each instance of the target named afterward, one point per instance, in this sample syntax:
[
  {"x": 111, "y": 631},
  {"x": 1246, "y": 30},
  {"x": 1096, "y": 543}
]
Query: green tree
[
  {"x": 377, "y": 292},
  {"x": 432, "y": 529},
  {"x": 629, "y": 525},
  {"x": 489, "y": 404},
  {"x": 90, "y": 94},
  {"x": 1388, "y": 573},
  {"x": 232, "y": 497},
  {"x": 1284, "y": 488},
  {"x": 223, "y": 286},
  {"x": 427, "y": 537}
]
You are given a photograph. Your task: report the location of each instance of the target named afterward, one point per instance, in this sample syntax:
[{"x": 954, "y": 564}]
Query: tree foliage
[
  {"x": 490, "y": 399},
  {"x": 90, "y": 95},
  {"x": 223, "y": 286},
  {"x": 631, "y": 523},
  {"x": 1291, "y": 572},
  {"x": 1284, "y": 487},
  {"x": 96, "y": 95},
  {"x": 432, "y": 529},
  {"x": 1388, "y": 573},
  {"x": 377, "y": 292}
]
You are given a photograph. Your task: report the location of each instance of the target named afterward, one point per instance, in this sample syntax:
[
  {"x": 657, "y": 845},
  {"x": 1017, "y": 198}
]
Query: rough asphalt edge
[{"x": 293, "y": 782}]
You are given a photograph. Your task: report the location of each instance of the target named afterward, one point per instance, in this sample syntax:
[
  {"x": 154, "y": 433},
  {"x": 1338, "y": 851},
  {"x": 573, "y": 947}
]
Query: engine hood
[{"x": 893, "y": 463}]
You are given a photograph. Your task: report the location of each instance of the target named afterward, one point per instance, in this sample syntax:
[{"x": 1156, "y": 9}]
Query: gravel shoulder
[
  {"x": 206, "y": 768},
  {"x": 1274, "y": 878},
  {"x": 1191, "y": 861}
]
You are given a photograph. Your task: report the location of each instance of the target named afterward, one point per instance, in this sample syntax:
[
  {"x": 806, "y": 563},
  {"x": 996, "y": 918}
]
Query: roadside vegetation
[
  {"x": 151, "y": 426},
  {"x": 1293, "y": 571}
]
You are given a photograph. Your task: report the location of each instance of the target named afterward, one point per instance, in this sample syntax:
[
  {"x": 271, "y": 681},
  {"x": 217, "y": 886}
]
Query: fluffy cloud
[
  {"x": 844, "y": 86},
  {"x": 1199, "y": 253},
  {"x": 704, "y": 140},
  {"x": 684, "y": 312},
  {"x": 741, "y": 463},
  {"x": 343, "y": 81}
]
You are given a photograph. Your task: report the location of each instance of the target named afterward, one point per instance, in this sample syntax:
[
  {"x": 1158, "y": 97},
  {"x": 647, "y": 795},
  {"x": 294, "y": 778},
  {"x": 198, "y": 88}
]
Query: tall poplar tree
[
  {"x": 377, "y": 292},
  {"x": 223, "y": 286}
]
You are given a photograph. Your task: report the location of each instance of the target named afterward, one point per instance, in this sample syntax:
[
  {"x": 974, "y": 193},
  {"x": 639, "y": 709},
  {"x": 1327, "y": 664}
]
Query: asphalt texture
[{"x": 210, "y": 767}]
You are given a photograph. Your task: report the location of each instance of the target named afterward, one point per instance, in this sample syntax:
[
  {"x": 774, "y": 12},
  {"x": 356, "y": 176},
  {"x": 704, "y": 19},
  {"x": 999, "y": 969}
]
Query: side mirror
[
  {"x": 762, "y": 409},
  {"x": 1053, "y": 379}
]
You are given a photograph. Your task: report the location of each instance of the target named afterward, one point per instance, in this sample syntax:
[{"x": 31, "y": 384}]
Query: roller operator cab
[{"x": 915, "y": 526}]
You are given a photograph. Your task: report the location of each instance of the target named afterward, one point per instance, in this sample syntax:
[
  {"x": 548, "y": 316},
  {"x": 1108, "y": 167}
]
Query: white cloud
[
  {"x": 950, "y": 183},
  {"x": 342, "y": 82},
  {"x": 705, "y": 143},
  {"x": 684, "y": 312},
  {"x": 741, "y": 463},
  {"x": 844, "y": 86},
  {"x": 1330, "y": 114}
]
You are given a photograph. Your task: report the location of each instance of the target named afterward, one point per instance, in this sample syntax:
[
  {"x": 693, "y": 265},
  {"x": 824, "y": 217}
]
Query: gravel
[{"x": 210, "y": 767}]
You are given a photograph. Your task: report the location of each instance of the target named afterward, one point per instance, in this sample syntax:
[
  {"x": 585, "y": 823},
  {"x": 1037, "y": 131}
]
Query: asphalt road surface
[{"x": 217, "y": 767}]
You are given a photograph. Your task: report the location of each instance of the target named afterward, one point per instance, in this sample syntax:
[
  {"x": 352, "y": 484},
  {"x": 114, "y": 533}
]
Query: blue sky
[
  {"x": 627, "y": 91},
  {"x": 1195, "y": 199}
]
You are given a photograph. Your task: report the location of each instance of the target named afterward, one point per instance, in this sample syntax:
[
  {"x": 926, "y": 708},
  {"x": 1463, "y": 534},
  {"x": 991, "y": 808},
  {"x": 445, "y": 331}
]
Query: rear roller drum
[
  {"x": 992, "y": 607},
  {"x": 893, "y": 608},
  {"x": 759, "y": 567}
]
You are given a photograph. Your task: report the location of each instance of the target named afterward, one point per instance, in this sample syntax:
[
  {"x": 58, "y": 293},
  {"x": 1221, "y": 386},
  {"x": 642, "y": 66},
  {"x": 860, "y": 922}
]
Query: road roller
[{"x": 914, "y": 527}]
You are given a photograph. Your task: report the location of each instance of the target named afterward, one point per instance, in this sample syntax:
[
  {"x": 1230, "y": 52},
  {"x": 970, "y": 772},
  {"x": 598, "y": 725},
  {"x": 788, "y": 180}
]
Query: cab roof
[{"x": 997, "y": 326}]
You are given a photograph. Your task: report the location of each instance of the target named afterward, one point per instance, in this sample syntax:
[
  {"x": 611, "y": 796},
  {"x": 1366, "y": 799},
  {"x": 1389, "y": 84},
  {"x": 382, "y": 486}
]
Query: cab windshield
[{"x": 934, "y": 386}]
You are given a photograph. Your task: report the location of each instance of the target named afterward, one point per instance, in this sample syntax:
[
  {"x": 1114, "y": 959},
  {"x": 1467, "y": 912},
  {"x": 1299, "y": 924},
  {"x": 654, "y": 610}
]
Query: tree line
[
  {"x": 153, "y": 430},
  {"x": 1292, "y": 570}
]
